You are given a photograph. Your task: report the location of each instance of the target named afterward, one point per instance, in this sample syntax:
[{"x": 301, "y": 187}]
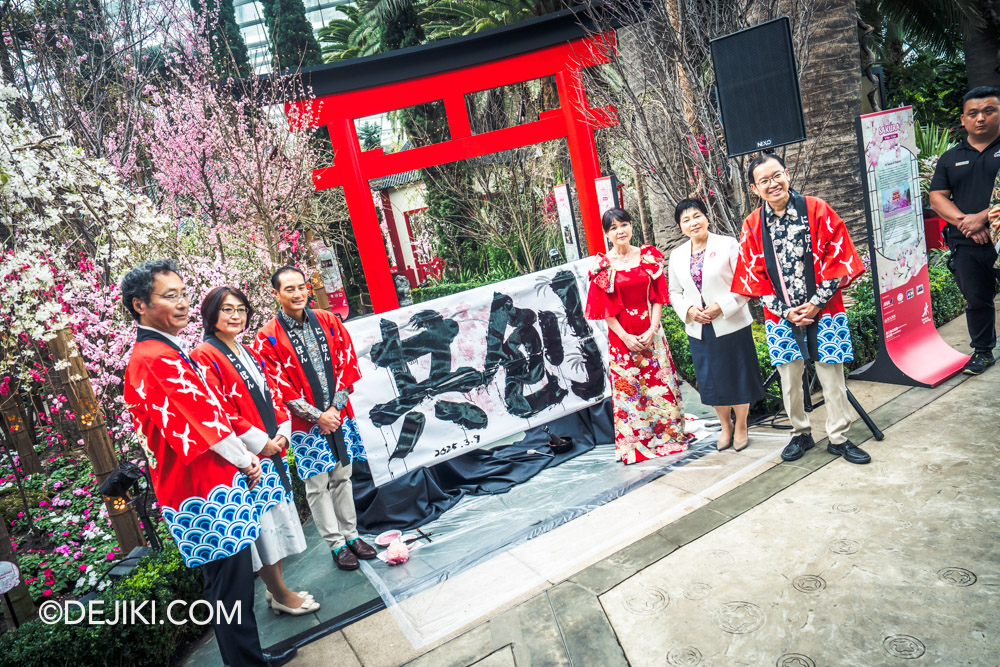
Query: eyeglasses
[
  {"x": 174, "y": 298},
  {"x": 229, "y": 310},
  {"x": 775, "y": 177}
]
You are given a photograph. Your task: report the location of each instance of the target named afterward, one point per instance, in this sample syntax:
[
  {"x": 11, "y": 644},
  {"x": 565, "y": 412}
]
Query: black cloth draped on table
[{"x": 424, "y": 494}]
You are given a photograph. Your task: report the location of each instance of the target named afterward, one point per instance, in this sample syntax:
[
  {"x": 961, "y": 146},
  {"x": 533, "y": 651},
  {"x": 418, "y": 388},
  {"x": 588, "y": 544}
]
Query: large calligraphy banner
[{"x": 446, "y": 376}]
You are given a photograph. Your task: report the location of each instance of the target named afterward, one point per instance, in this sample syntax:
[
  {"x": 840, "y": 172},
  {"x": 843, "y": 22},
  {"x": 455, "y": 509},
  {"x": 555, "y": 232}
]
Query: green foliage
[
  {"x": 349, "y": 37},
  {"x": 160, "y": 578},
  {"x": 947, "y": 301},
  {"x": 932, "y": 141},
  {"x": 422, "y": 294},
  {"x": 292, "y": 41},
  {"x": 370, "y": 136},
  {"x": 933, "y": 84}
]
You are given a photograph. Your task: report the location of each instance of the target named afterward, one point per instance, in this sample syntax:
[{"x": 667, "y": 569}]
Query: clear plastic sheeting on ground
[{"x": 489, "y": 551}]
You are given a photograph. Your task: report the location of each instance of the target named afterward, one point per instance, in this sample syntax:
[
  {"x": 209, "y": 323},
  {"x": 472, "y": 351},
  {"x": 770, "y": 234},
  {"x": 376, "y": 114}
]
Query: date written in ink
[{"x": 455, "y": 445}]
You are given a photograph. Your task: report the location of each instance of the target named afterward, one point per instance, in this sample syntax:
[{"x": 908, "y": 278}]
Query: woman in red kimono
[
  {"x": 628, "y": 291},
  {"x": 237, "y": 376}
]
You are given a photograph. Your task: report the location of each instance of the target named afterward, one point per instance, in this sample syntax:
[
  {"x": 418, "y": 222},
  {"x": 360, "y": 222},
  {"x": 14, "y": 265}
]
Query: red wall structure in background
[{"x": 574, "y": 119}]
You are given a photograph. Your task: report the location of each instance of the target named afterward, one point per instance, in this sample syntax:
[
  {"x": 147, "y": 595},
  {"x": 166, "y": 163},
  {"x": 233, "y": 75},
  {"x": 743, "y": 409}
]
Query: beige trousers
[
  {"x": 331, "y": 500},
  {"x": 839, "y": 413}
]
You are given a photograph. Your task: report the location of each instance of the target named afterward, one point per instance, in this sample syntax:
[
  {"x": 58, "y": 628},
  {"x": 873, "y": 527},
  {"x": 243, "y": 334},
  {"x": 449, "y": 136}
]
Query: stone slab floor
[{"x": 883, "y": 564}]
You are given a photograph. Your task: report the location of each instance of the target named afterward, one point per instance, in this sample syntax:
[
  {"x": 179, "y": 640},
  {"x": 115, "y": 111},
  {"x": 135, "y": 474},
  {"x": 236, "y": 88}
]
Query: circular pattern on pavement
[
  {"x": 647, "y": 602},
  {"x": 903, "y": 646},
  {"x": 697, "y": 591},
  {"x": 739, "y": 618},
  {"x": 723, "y": 555},
  {"x": 845, "y": 547},
  {"x": 684, "y": 656},
  {"x": 957, "y": 576},
  {"x": 845, "y": 508},
  {"x": 795, "y": 660},
  {"x": 809, "y": 583}
]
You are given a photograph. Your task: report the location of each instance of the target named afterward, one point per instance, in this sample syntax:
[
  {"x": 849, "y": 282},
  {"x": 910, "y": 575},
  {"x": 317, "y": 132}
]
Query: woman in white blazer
[{"x": 717, "y": 322}]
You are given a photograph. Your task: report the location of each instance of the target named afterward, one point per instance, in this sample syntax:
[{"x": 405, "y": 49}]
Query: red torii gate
[{"x": 353, "y": 168}]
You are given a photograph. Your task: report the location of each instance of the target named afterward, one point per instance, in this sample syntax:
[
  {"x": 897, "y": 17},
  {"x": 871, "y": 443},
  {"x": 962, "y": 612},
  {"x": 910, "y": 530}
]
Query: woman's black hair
[
  {"x": 685, "y": 204},
  {"x": 612, "y": 214},
  {"x": 211, "y": 306},
  {"x": 138, "y": 283},
  {"x": 759, "y": 160}
]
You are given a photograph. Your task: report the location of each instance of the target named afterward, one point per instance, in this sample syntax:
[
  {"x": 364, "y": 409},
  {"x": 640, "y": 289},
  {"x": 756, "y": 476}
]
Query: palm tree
[
  {"x": 349, "y": 37},
  {"x": 905, "y": 25}
]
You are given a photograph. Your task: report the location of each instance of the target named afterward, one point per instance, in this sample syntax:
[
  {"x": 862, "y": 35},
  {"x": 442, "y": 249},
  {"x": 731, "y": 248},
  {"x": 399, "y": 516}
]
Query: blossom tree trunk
[
  {"x": 20, "y": 598},
  {"x": 94, "y": 433},
  {"x": 18, "y": 433}
]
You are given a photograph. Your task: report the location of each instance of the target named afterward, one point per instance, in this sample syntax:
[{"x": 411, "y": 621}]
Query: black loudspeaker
[{"x": 758, "y": 88}]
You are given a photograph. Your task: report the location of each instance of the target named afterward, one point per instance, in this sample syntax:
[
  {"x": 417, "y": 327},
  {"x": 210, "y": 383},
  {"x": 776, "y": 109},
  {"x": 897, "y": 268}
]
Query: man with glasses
[
  {"x": 310, "y": 356},
  {"x": 201, "y": 472},
  {"x": 960, "y": 193},
  {"x": 796, "y": 256}
]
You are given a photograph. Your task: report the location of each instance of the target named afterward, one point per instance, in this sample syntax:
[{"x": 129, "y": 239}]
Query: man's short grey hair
[{"x": 138, "y": 283}]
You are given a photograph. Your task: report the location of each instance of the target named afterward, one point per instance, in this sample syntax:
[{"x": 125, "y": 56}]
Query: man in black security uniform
[{"x": 960, "y": 193}]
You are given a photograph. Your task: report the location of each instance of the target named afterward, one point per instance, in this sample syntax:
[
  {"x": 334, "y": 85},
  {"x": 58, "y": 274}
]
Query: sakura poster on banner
[
  {"x": 446, "y": 376},
  {"x": 567, "y": 226},
  {"x": 912, "y": 351}
]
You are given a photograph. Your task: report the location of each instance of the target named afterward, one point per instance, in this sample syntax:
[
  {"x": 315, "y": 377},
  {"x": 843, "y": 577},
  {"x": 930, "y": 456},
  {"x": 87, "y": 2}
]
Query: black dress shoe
[
  {"x": 797, "y": 447},
  {"x": 851, "y": 452},
  {"x": 345, "y": 559},
  {"x": 362, "y": 549}
]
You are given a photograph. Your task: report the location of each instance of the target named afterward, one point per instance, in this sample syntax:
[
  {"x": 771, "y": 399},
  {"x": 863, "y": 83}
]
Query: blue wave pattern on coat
[
  {"x": 269, "y": 492},
  {"x": 219, "y": 526},
  {"x": 833, "y": 337},
  {"x": 312, "y": 452}
]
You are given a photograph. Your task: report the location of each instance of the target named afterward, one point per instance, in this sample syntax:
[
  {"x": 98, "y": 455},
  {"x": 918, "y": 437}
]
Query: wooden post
[
  {"x": 20, "y": 598},
  {"x": 18, "y": 432},
  {"x": 319, "y": 289},
  {"x": 96, "y": 440}
]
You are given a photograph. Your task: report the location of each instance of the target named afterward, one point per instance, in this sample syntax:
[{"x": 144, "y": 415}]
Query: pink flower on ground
[
  {"x": 397, "y": 553},
  {"x": 111, "y": 555},
  {"x": 47, "y": 592}
]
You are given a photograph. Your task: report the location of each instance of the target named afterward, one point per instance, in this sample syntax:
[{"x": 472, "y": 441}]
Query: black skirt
[{"x": 727, "y": 369}]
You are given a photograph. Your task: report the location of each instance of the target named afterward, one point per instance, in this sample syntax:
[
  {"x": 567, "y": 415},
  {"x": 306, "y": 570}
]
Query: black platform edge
[{"x": 280, "y": 650}]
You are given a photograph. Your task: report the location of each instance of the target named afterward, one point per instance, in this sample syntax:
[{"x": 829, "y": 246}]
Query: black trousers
[
  {"x": 977, "y": 279},
  {"x": 230, "y": 580}
]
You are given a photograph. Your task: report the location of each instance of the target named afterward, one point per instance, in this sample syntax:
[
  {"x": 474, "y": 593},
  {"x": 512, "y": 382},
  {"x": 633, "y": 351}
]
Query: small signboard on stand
[
  {"x": 911, "y": 351},
  {"x": 10, "y": 577},
  {"x": 607, "y": 197},
  {"x": 567, "y": 225},
  {"x": 333, "y": 281}
]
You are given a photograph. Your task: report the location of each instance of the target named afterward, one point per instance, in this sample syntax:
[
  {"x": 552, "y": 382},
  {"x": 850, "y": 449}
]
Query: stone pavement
[{"x": 813, "y": 563}]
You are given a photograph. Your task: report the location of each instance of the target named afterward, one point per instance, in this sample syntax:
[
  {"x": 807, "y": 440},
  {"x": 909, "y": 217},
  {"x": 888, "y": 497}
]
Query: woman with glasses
[
  {"x": 628, "y": 291},
  {"x": 262, "y": 423},
  {"x": 716, "y": 320},
  {"x": 796, "y": 257}
]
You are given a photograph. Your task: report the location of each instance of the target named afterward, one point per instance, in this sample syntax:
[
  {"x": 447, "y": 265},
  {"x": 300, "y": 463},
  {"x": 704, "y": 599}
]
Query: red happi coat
[
  {"x": 312, "y": 454},
  {"x": 240, "y": 408},
  {"x": 833, "y": 252},
  {"x": 178, "y": 418},
  {"x": 247, "y": 422}
]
